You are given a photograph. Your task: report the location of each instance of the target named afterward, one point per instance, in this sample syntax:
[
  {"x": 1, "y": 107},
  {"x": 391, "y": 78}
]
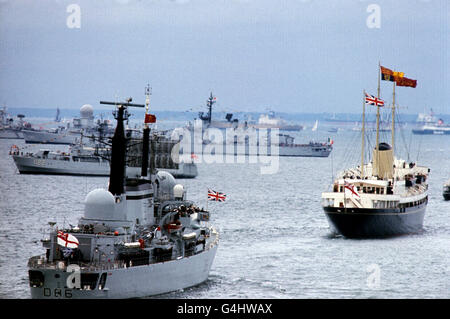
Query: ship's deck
[{"x": 41, "y": 262}]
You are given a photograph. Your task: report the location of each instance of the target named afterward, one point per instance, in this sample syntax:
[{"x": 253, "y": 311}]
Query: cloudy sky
[{"x": 287, "y": 55}]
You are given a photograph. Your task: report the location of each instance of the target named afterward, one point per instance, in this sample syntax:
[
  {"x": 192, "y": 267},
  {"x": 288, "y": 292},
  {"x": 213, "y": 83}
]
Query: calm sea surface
[{"x": 274, "y": 238}]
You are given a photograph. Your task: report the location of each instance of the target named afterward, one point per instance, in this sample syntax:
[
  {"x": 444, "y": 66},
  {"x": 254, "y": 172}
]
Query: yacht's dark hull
[
  {"x": 446, "y": 195},
  {"x": 375, "y": 223}
]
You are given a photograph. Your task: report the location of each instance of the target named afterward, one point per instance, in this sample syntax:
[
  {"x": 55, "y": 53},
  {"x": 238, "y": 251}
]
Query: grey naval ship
[
  {"x": 383, "y": 198},
  {"x": 141, "y": 237},
  {"x": 246, "y": 141},
  {"x": 267, "y": 121},
  {"x": 244, "y": 138},
  {"x": 86, "y": 160},
  {"x": 71, "y": 132},
  {"x": 11, "y": 128}
]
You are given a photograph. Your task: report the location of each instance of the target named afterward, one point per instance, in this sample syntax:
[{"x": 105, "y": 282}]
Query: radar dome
[
  {"x": 166, "y": 183},
  {"x": 87, "y": 111},
  {"x": 100, "y": 204},
  {"x": 178, "y": 191}
]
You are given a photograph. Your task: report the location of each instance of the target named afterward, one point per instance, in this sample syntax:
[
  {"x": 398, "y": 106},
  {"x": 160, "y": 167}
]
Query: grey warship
[
  {"x": 11, "y": 128},
  {"x": 70, "y": 133},
  {"x": 248, "y": 139},
  {"x": 86, "y": 160},
  {"x": 139, "y": 238},
  {"x": 265, "y": 120}
]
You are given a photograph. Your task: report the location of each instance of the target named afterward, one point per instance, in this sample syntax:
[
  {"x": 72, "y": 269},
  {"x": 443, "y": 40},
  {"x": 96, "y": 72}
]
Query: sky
[{"x": 254, "y": 55}]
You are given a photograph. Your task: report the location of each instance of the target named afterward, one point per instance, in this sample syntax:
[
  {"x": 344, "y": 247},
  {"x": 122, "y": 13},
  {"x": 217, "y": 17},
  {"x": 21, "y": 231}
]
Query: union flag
[
  {"x": 372, "y": 100},
  {"x": 216, "y": 196}
]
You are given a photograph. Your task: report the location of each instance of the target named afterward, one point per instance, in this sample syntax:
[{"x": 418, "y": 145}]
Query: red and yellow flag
[
  {"x": 406, "y": 82},
  {"x": 150, "y": 118},
  {"x": 389, "y": 75},
  {"x": 397, "y": 77}
]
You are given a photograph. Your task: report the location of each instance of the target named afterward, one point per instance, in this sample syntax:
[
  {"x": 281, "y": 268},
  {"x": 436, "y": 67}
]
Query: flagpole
[
  {"x": 379, "y": 67},
  {"x": 146, "y": 139},
  {"x": 147, "y": 103},
  {"x": 363, "y": 133},
  {"x": 393, "y": 117},
  {"x": 378, "y": 118},
  {"x": 345, "y": 199}
]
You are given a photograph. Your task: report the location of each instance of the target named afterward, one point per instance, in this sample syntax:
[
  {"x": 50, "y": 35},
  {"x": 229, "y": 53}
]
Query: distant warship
[
  {"x": 139, "y": 238},
  {"x": 94, "y": 160},
  {"x": 249, "y": 142},
  {"x": 429, "y": 124},
  {"x": 11, "y": 128},
  {"x": 71, "y": 133},
  {"x": 268, "y": 120},
  {"x": 243, "y": 138},
  {"x": 437, "y": 128},
  {"x": 385, "y": 197},
  {"x": 207, "y": 119}
]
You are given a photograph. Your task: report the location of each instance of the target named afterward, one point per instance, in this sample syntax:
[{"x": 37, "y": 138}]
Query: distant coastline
[{"x": 329, "y": 118}]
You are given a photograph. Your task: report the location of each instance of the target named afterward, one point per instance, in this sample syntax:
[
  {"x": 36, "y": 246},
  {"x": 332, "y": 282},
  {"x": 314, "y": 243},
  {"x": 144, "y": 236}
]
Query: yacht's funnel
[{"x": 383, "y": 161}]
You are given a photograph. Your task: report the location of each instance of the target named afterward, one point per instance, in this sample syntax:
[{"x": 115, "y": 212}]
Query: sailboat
[{"x": 385, "y": 197}]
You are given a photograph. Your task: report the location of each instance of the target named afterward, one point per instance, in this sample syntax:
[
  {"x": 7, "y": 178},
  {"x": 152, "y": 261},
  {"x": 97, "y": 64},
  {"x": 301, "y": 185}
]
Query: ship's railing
[
  {"x": 41, "y": 262},
  {"x": 415, "y": 190}
]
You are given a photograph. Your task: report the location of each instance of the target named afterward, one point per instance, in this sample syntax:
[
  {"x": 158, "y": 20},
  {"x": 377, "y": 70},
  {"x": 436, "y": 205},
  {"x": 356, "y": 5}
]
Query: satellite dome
[
  {"x": 100, "y": 204},
  {"x": 87, "y": 111},
  {"x": 166, "y": 183},
  {"x": 178, "y": 191}
]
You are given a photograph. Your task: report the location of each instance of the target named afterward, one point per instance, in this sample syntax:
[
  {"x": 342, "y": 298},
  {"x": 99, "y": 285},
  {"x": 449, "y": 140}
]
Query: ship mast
[
  {"x": 393, "y": 118},
  {"x": 146, "y": 134},
  {"x": 378, "y": 116},
  {"x": 119, "y": 148},
  {"x": 363, "y": 133},
  {"x": 209, "y": 104}
]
